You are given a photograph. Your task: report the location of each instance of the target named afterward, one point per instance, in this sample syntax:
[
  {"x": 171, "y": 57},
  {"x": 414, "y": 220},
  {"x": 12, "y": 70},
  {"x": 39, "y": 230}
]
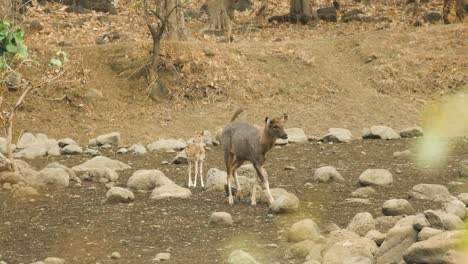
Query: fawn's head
[
  {"x": 198, "y": 136},
  {"x": 275, "y": 126}
]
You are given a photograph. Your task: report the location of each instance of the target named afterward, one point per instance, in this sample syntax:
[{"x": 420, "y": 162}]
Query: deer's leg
[
  {"x": 201, "y": 172},
  {"x": 196, "y": 173},
  {"x": 254, "y": 191},
  {"x": 228, "y": 157},
  {"x": 189, "y": 184},
  {"x": 237, "y": 164},
  {"x": 264, "y": 178}
]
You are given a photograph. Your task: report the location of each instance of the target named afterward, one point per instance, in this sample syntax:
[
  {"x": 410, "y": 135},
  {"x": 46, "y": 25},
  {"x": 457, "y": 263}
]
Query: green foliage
[
  {"x": 136, "y": 4},
  {"x": 57, "y": 62},
  {"x": 11, "y": 44}
]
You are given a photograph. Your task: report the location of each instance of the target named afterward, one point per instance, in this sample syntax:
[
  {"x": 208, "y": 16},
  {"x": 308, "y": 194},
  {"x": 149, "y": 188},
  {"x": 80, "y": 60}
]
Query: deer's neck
[{"x": 267, "y": 141}]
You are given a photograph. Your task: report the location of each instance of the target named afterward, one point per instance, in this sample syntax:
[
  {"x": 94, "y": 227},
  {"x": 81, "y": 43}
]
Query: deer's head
[{"x": 275, "y": 126}]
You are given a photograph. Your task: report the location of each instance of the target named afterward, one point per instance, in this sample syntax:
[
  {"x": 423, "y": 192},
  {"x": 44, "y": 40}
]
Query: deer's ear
[
  {"x": 285, "y": 117},
  {"x": 267, "y": 120}
]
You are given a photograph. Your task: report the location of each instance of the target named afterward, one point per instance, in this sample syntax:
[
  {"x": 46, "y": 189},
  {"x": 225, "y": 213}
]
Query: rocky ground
[{"x": 82, "y": 216}]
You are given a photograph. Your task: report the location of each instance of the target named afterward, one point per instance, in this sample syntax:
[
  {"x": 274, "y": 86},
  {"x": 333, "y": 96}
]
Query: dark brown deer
[{"x": 245, "y": 142}]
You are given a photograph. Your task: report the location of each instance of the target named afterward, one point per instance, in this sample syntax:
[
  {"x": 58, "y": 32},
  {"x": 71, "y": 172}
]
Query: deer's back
[{"x": 241, "y": 139}]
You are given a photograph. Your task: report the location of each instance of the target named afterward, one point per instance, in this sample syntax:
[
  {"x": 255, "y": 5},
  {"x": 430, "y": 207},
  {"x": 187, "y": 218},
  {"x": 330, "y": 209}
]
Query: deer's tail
[{"x": 236, "y": 114}]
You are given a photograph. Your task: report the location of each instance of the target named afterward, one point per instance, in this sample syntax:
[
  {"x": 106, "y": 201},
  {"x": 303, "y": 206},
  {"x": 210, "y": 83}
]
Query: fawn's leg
[
  {"x": 196, "y": 173},
  {"x": 201, "y": 172},
  {"x": 189, "y": 173}
]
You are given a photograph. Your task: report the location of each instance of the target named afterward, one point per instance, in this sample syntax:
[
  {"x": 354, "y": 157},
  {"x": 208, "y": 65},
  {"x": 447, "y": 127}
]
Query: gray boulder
[
  {"x": 167, "y": 145},
  {"x": 376, "y": 177},
  {"x": 170, "y": 191},
  {"x": 275, "y": 192},
  {"x": 379, "y": 132},
  {"x": 432, "y": 192},
  {"x": 463, "y": 169},
  {"x": 102, "y": 175},
  {"x": 463, "y": 197},
  {"x": 27, "y": 140},
  {"x": 338, "y": 236},
  {"x": 71, "y": 150},
  {"x": 376, "y": 236},
  {"x": 337, "y": 135},
  {"x": 216, "y": 179},
  {"x": 434, "y": 249},
  {"x": 327, "y": 174},
  {"x": 296, "y": 135},
  {"x": 420, "y": 222},
  {"x": 52, "y": 147},
  {"x": 302, "y": 249},
  {"x": 70, "y": 172},
  {"x": 148, "y": 180},
  {"x": 363, "y": 192},
  {"x": 112, "y": 139},
  {"x": 397, "y": 207},
  {"x": 241, "y": 257},
  {"x": 287, "y": 203},
  {"x": 180, "y": 158},
  {"x": 67, "y": 141},
  {"x": 349, "y": 251},
  {"x": 32, "y": 152},
  {"x": 54, "y": 261},
  {"x": 442, "y": 220},
  {"x": 361, "y": 224},
  {"x": 119, "y": 195},
  {"x": 52, "y": 177},
  {"x": 456, "y": 207},
  {"x": 138, "y": 149},
  {"x": 412, "y": 132},
  {"x": 428, "y": 232},
  {"x": 305, "y": 229},
  {"x": 221, "y": 218},
  {"x": 101, "y": 162},
  {"x": 398, "y": 239}
]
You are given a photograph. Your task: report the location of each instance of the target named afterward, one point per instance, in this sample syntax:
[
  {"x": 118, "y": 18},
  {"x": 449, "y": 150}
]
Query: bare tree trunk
[
  {"x": 453, "y": 11},
  {"x": 175, "y": 20},
  {"x": 300, "y": 11},
  {"x": 154, "y": 62}
]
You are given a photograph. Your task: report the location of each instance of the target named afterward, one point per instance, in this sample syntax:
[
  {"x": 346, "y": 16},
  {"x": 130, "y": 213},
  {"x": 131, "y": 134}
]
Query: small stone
[
  {"x": 241, "y": 257},
  {"x": 361, "y": 224},
  {"x": 420, "y": 222},
  {"x": 115, "y": 255},
  {"x": 433, "y": 192},
  {"x": 363, "y": 192},
  {"x": 337, "y": 135},
  {"x": 376, "y": 236},
  {"x": 303, "y": 230},
  {"x": 162, "y": 256},
  {"x": 377, "y": 177},
  {"x": 463, "y": 197},
  {"x": 380, "y": 132},
  {"x": 327, "y": 174},
  {"x": 287, "y": 203},
  {"x": 7, "y": 186},
  {"x": 412, "y": 132},
  {"x": 54, "y": 261},
  {"x": 290, "y": 168},
  {"x": 397, "y": 207},
  {"x": 71, "y": 150},
  {"x": 221, "y": 218},
  {"x": 122, "y": 151},
  {"x": 428, "y": 232},
  {"x": 119, "y": 195},
  {"x": 402, "y": 154}
]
